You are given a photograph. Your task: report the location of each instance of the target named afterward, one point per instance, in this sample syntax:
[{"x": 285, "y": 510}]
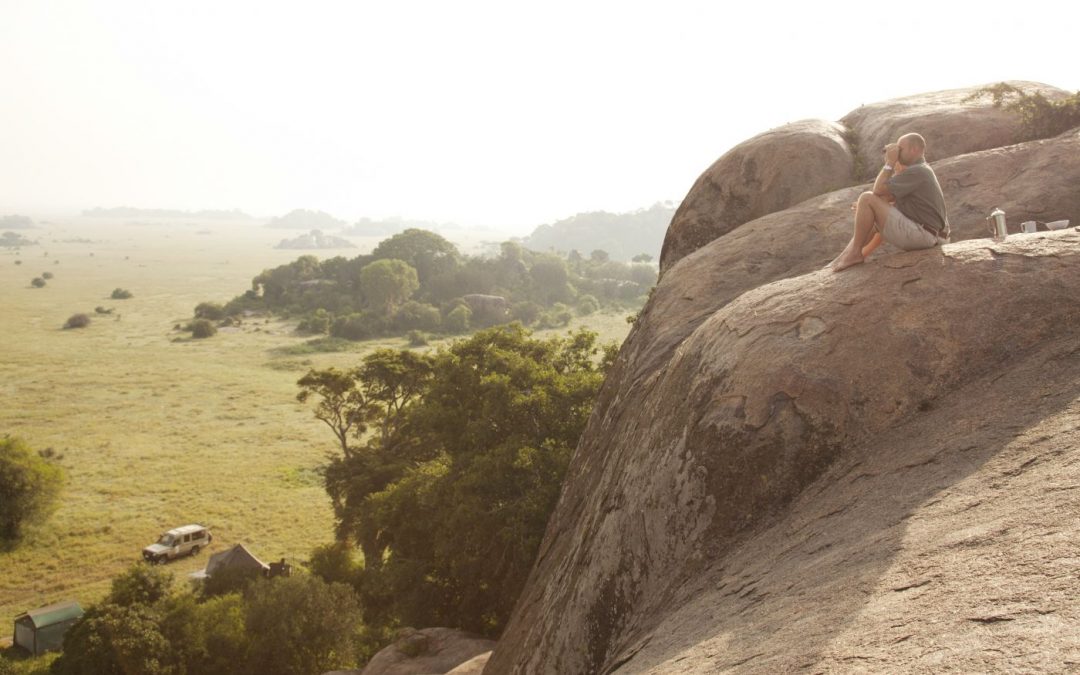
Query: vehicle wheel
[
  {"x": 161, "y": 559},
  {"x": 194, "y": 550}
]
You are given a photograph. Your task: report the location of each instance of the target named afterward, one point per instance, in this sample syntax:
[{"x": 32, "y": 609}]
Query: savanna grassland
[{"x": 156, "y": 429}]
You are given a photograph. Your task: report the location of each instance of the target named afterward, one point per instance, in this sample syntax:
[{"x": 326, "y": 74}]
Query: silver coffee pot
[{"x": 996, "y": 222}]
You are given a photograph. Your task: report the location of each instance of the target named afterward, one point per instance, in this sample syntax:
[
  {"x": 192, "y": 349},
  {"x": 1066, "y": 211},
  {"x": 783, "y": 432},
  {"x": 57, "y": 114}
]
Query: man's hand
[{"x": 892, "y": 153}]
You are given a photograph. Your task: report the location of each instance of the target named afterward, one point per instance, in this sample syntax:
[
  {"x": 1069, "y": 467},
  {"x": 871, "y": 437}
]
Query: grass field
[{"x": 157, "y": 430}]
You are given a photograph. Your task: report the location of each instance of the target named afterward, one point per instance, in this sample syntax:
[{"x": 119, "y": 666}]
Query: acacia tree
[{"x": 375, "y": 394}]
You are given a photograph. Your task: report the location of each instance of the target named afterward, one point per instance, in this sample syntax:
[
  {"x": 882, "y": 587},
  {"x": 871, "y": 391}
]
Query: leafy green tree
[
  {"x": 430, "y": 254},
  {"x": 29, "y": 487},
  {"x": 387, "y": 283},
  {"x": 115, "y": 640},
  {"x": 206, "y": 637},
  {"x": 453, "y": 498},
  {"x": 301, "y": 624},
  {"x": 458, "y": 320},
  {"x": 642, "y": 258},
  {"x": 140, "y": 584},
  {"x": 549, "y": 278},
  {"x": 343, "y": 405},
  {"x": 374, "y": 395},
  {"x": 417, "y": 316},
  {"x": 335, "y": 562}
]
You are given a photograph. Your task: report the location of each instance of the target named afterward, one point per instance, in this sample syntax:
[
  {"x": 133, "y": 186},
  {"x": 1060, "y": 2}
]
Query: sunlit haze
[{"x": 498, "y": 114}]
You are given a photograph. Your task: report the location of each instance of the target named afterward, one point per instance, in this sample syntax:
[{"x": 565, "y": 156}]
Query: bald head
[{"x": 912, "y": 148}]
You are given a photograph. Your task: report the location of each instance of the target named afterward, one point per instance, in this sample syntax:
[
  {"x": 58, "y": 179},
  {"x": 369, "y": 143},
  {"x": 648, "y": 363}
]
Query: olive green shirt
[{"x": 918, "y": 195}]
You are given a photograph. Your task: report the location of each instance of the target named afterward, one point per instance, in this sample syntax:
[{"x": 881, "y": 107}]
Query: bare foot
[{"x": 847, "y": 260}]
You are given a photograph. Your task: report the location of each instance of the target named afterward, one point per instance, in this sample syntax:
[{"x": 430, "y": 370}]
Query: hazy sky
[{"x": 498, "y": 113}]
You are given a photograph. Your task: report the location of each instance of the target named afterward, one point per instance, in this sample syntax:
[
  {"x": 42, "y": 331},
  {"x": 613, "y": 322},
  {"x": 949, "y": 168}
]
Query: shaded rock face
[
  {"x": 799, "y": 167},
  {"x": 767, "y": 173},
  {"x": 428, "y": 651},
  {"x": 951, "y": 124},
  {"x": 762, "y": 410}
]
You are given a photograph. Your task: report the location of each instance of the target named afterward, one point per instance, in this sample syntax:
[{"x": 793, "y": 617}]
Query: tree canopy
[{"x": 449, "y": 500}]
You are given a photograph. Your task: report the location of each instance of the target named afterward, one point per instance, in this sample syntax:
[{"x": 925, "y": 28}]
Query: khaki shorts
[{"x": 904, "y": 233}]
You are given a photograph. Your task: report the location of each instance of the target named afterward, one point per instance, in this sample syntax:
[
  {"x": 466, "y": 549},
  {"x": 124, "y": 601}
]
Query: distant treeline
[
  {"x": 417, "y": 280},
  {"x": 622, "y": 235},
  {"x": 16, "y": 222},
  {"x": 132, "y": 212}
]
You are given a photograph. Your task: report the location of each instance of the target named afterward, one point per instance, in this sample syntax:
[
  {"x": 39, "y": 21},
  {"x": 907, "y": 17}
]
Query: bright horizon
[{"x": 481, "y": 114}]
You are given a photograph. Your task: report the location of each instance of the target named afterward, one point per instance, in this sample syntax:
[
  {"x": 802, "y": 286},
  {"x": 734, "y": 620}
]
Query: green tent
[{"x": 42, "y": 630}]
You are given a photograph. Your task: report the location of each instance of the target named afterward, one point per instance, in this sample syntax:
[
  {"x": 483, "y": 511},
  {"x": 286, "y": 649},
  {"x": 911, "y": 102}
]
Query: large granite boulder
[
  {"x": 428, "y": 651},
  {"x": 782, "y": 167},
  {"x": 951, "y": 123},
  {"x": 767, "y": 173},
  {"x": 763, "y": 409},
  {"x": 749, "y": 414}
]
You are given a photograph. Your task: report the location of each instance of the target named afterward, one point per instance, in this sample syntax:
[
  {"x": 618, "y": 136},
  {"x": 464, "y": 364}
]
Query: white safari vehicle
[{"x": 186, "y": 540}]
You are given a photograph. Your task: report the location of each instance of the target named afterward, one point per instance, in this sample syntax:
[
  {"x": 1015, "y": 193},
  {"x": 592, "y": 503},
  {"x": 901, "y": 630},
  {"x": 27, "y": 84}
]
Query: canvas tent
[
  {"x": 41, "y": 630},
  {"x": 235, "y": 558}
]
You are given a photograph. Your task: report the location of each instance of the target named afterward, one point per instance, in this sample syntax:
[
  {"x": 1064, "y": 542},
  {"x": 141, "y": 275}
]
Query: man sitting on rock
[{"x": 917, "y": 220}]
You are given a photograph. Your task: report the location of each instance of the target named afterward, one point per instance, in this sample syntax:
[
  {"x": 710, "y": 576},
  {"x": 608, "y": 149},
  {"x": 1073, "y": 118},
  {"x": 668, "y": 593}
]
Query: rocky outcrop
[
  {"x": 952, "y": 124},
  {"x": 428, "y": 651},
  {"x": 744, "y": 491},
  {"x": 786, "y": 171},
  {"x": 315, "y": 240},
  {"x": 767, "y": 173}
]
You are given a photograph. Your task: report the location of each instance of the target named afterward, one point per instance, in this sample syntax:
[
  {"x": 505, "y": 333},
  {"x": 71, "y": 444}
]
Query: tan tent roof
[{"x": 235, "y": 557}]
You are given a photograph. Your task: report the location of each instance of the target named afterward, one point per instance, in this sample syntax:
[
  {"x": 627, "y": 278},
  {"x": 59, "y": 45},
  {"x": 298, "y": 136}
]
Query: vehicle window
[
  {"x": 187, "y": 538},
  {"x": 166, "y": 540}
]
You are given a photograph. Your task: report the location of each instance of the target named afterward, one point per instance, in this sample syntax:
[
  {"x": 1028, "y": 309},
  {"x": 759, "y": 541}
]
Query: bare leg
[{"x": 870, "y": 213}]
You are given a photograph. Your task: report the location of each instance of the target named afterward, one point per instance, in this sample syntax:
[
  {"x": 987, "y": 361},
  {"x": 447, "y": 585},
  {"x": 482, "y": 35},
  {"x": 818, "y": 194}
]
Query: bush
[
  {"x": 202, "y": 328},
  {"x": 526, "y": 312},
  {"x": 586, "y": 305},
  {"x": 209, "y": 310},
  {"x": 37, "y": 282},
  {"x": 417, "y": 316},
  {"x": 29, "y": 486},
  {"x": 120, "y": 294},
  {"x": 46, "y": 275},
  {"x": 101, "y": 310},
  {"x": 114, "y": 639},
  {"x": 417, "y": 338},
  {"x": 335, "y": 562},
  {"x": 300, "y": 624},
  {"x": 77, "y": 321},
  {"x": 140, "y": 584},
  {"x": 317, "y": 322},
  {"x": 351, "y": 327},
  {"x": 458, "y": 320}
]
